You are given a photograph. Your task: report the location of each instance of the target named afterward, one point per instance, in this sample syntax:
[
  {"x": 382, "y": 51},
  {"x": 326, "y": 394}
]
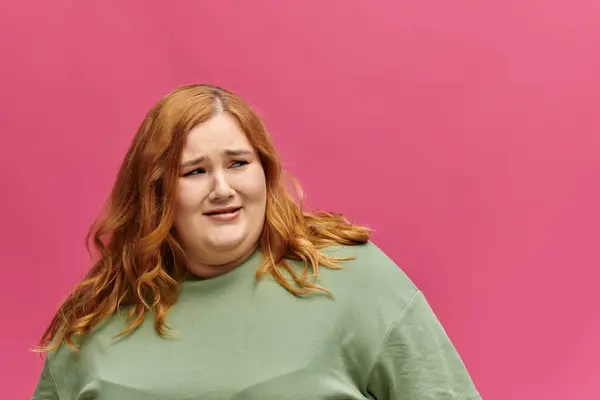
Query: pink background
[{"x": 467, "y": 133}]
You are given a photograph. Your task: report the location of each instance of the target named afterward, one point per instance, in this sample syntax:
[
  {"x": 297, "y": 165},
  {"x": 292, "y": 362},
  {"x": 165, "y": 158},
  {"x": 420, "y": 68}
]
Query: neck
[{"x": 207, "y": 270}]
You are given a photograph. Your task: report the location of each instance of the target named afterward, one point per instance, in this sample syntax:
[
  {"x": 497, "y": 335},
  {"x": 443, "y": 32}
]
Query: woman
[{"x": 212, "y": 283}]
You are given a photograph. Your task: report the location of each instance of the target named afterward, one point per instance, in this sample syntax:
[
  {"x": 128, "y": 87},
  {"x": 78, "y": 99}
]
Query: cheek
[
  {"x": 253, "y": 187},
  {"x": 189, "y": 196}
]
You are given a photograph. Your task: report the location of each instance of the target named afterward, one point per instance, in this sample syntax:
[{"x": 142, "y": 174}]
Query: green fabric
[{"x": 238, "y": 339}]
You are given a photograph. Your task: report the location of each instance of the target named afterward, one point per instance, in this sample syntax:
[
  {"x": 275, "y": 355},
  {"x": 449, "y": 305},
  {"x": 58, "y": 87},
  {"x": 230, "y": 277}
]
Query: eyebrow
[{"x": 229, "y": 153}]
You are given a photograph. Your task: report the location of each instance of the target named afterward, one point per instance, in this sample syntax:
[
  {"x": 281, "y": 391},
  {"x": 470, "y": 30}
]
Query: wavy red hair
[{"x": 138, "y": 261}]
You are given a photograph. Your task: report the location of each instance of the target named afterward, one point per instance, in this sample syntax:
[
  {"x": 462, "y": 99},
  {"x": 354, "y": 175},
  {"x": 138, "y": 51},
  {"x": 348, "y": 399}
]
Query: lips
[
  {"x": 225, "y": 210},
  {"x": 224, "y": 215}
]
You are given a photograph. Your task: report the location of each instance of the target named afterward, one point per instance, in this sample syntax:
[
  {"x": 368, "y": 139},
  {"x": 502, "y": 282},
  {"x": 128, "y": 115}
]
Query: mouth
[
  {"x": 224, "y": 214},
  {"x": 226, "y": 210}
]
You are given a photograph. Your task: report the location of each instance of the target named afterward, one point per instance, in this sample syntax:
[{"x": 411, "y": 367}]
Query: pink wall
[{"x": 466, "y": 132}]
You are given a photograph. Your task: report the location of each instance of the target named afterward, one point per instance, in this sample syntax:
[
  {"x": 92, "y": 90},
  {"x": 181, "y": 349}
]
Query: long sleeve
[
  {"x": 46, "y": 386},
  {"x": 418, "y": 362}
]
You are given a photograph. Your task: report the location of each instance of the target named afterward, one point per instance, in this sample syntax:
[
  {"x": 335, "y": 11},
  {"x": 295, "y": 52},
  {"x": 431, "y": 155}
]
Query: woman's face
[{"x": 221, "y": 205}]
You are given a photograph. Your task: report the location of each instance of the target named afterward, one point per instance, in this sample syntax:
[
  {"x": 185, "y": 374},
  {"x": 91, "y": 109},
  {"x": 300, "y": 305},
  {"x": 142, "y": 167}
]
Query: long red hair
[{"x": 139, "y": 263}]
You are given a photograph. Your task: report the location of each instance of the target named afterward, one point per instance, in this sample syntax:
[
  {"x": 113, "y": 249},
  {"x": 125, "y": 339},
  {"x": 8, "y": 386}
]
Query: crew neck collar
[{"x": 250, "y": 265}]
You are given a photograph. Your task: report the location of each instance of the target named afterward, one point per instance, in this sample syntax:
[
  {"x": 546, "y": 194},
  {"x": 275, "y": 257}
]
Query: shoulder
[
  {"x": 370, "y": 266},
  {"x": 69, "y": 368},
  {"x": 102, "y": 335},
  {"x": 369, "y": 280}
]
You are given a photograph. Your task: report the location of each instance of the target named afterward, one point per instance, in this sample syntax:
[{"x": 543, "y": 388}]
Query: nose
[{"x": 221, "y": 190}]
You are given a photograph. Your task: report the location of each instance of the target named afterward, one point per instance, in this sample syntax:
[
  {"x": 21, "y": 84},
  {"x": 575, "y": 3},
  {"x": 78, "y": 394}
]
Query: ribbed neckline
[{"x": 248, "y": 267}]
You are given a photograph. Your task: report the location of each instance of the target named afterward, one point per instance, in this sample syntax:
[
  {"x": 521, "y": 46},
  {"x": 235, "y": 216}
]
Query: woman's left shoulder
[{"x": 370, "y": 270}]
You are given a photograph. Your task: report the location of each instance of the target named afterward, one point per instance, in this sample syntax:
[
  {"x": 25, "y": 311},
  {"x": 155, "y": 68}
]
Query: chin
[{"x": 227, "y": 244}]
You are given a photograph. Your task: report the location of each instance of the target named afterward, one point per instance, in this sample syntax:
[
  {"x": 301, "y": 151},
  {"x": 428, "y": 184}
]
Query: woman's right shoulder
[{"x": 99, "y": 337}]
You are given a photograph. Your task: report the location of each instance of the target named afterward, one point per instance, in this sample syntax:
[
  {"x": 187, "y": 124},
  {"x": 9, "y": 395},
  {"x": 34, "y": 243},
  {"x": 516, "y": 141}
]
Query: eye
[
  {"x": 196, "y": 171},
  {"x": 239, "y": 163}
]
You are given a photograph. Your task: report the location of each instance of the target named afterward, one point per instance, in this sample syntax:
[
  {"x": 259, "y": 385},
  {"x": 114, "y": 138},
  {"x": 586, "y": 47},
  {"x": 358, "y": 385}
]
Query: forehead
[{"x": 215, "y": 135}]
